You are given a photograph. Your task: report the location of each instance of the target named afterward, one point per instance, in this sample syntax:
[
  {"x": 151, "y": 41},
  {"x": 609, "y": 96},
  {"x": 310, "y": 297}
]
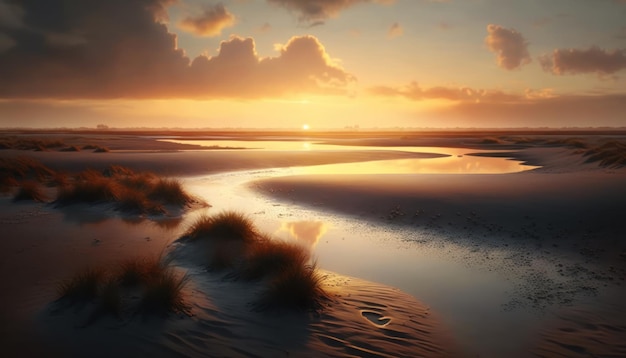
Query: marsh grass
[
  {"x": 298, "y": 287},
  {"x": 83, "y": 286},
  {"x": 568, "y": 142},
  {"x": 129, "y": 192},
  {"x": 610, "y": 154},
  {"x": 268, "y": 257},
  {"x": 24, "y": 168},
  {"x": 30, "y": 143},
  {"x": 71, "y": 148},
  {"x": 139, "y": 270},
  {"x": 136, "y": 202},
  {"x": 29, "y": 190},
  {"x": 164, "y": 293},
  {"x": 491, "y": 140},
  {"x": 93, "y": 190},
  {"x": 227, "y": 225},
  {"x": 169, "y": 191},
  {"x": 160, "y": 287}
]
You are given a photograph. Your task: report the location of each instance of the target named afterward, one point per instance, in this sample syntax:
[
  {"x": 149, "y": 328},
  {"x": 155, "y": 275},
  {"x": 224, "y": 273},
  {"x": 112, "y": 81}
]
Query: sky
[{"x": 324, "y": 63}]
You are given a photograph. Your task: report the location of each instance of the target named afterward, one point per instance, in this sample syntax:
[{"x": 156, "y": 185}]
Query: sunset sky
[{"x": 326, "y": 63}]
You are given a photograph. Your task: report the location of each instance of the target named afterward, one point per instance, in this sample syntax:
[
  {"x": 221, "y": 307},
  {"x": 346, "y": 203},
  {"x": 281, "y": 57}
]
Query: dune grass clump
[
  {"x": 268, "y": 257},
  {"x": 152, "y": 278},
  {"x": 94, "y": 190},
  {"x": 29, "y": 190},
  {"x": 164, "y": 292},
  {"x": 129, "y": 192},
  {"x": 22, "y": 168},
  {"x": 71, "y": 148},
  {"x": 83, "y": 286},
  {"x": 133, "y": 201},
  {"x": 610, "y": 154},
  {"x": 299, "y": 287},
  {"x": 491, "y": 140},
  {"x": 228, "y": 225},
  {"x": 169, "y": 191},
  {"x": 139, "y": 270},
  {"x": 117, "y": 170},
  {"x": 99, "y": 149}
]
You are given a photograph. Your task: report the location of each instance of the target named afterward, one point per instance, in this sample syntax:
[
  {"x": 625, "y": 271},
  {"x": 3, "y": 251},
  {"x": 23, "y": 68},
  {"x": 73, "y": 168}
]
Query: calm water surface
[{"x": 418, "y": 263}]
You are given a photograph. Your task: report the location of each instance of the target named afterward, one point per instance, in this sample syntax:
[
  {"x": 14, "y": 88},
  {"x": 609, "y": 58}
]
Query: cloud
[
  {"x": 210, "y": 22},
  {"x": 494, "y": 108},
  {"x": 576, "y": 61},
  {"x": 135, "y": 56},
  {"x": 315, "y": 11},
  {"x": 509, "y": 45},
  {"x": 395, "y": 30},
  {"x": 414, "y": 92}
]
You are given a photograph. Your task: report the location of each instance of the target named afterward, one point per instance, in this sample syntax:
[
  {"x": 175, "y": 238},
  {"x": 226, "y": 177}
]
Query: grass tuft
[
  {"x": 134, "y": 201},
  {"x": 269, "y": 257},
  {"x": 169, "y": 191},
  {"x": 299, "y": 287},
  {"x": 30, "y": 190},
  {"x": 71, "y": 148},
  {"x": 83, "y": 285},
  {"x": 610, "y": 154},
  {"x": 96, "y": 190},
  {"x": 164, "y": 292},
  {"x": 99, "y": 149},
  {"x": 228, "y": 225}
]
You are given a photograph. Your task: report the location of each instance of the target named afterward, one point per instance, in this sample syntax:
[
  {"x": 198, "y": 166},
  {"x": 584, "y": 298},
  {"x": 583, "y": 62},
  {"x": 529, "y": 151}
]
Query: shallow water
[
  {"x": 451, "y": 160},
  {"x": 466, "y": 296}
]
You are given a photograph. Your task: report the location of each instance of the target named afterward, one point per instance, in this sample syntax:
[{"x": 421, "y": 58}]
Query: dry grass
[
  {"x": 136, "y": 202},
  {"x": 92, "y": 191},
  {"x": 30, "y": 143},
  {"x": 233, "y": 241},
  {"x": 299, "y": 287},
  {"x": 164, "y": 292},
  {"x": 228, "y": 225},
  {"x": 71, "y": 148},
  {"x": 99, "y": 149},
  {"x": 130, "y": 192},
  {"x": 491, "y": 140},
  {"x": 268, "y": 257},
  {"x": 84, "y": 285},
  {"x": 139, "y": 270},
  {"x": 159, "y": 285},
  {"x": 610, "y": 154},
  {"x": 169, "y": 191},
  {"x": 22, "y": 168},
  {"x": 30, "y": 190}
]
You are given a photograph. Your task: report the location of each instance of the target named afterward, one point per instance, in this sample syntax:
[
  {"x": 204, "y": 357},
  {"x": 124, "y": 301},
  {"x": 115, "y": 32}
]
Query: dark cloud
[
  {"x": 460, "y": 94},
  {"x": 576, "y": 61},
  {"x": 319, "y": 10},
  {"x": 509, "y": 45},
  {"x": 210, "y": 22},
  {"x": 120, "y": 48}
]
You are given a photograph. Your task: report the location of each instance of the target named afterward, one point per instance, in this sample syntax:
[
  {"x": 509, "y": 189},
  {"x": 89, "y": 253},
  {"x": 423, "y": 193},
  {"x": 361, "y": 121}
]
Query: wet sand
[{"x": 568, "y": 208}]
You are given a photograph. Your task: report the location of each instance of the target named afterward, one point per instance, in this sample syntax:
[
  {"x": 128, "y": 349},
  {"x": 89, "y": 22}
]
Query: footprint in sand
[{"x": 375, "y": 318}]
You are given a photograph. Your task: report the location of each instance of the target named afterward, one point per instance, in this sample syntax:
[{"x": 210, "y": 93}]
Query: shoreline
[{"x": 528, "y": 212}]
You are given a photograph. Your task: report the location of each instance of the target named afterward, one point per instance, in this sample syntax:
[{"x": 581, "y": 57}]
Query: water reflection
[
  {"x": 454, "y": 161},
  {"x": 305, "y": 232}
]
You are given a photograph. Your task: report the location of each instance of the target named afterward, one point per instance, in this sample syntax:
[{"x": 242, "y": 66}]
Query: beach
[{"x": 545, "y": 242}]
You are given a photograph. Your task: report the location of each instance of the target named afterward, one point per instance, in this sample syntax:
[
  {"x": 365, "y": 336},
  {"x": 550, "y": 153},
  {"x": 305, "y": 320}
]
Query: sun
[{"x": 305, "y": 127}]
